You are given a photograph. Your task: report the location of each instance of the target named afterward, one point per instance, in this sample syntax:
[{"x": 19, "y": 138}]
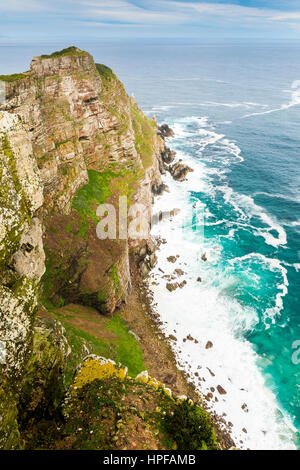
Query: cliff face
[
  {"x": 91, "y": 144},
  {"x": 70, "y": 139},
  {"x": 21, "y": 263}
]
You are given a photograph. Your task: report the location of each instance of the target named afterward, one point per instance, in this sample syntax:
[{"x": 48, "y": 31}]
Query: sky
[{"x": 30, "y": 20}]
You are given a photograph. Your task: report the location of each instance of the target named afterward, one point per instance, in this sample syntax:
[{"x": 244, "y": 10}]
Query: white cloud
[
  {"x": 124, "y": 11},
  {"x": 23, "y": 6},
  {"x": 153, "y": 12},
  {"x": 287, "y": 16}
]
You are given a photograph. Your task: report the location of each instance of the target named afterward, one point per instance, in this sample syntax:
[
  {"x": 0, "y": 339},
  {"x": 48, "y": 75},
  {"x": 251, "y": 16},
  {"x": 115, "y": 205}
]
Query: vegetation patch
[
  {"x": 88, "y": 332},
  {"x": 105, "y": 72},
  {"x": 69, "y": 51},
  {"x": 144, "y": 135},
  {"x": 13, "y": 77},
  {"x": 119, "y": 413}
]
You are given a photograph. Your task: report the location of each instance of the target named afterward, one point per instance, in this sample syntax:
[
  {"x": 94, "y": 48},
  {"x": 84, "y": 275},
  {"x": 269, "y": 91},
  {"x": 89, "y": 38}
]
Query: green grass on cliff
[
  {"x": 13, "y": 77},
  {"x": 101, "y": 185},
  {"x": 69, "y": 51},
  {"x": 105, "y": 72},
  {"x": 116, "y": 414},
  {"x": 111, "y": 340},
  {"x": 144, "y": 135},
  {"x": 94, "y": 193}
]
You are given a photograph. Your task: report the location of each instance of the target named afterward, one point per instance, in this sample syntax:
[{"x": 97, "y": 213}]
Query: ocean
[{"x": 235, "y": 110}]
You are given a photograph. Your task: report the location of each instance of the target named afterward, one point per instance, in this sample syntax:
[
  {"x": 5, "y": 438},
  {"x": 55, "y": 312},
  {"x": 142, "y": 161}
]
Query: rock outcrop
[
  {"x": 21, "y": 265},
  {"x": 70, "y": 140},
  {"x": 92, "y": 144}
]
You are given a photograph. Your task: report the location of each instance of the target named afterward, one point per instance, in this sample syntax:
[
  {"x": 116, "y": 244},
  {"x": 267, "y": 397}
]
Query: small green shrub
[
  {"x": 190, "y": 427},
  {"x": 105, "y": 72},
  {"x": 13, "y": 77},
  {"x": 69, "y": 51}
]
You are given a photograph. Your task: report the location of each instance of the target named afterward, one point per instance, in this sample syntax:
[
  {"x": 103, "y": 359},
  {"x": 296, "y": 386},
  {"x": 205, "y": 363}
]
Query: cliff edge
[{"x": 70, "y": 140}]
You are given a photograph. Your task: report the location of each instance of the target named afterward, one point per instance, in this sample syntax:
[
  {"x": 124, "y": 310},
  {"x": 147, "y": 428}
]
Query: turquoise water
[
  {"x": 236, "y": 112},
  {"x": 248, "y": 94}
]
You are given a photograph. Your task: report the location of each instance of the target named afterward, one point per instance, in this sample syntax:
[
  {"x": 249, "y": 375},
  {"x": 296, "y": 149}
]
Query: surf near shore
[{"x": 204, "y": 327}]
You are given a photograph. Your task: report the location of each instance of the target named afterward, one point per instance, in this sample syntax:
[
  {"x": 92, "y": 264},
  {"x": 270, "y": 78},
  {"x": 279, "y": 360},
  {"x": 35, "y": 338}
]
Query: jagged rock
[
  {"x": 172, "y": 338},
  {"x": 245, "y": 408},
  {"x": 172, "y": 259},
  {"x": 158, "y": 189},
  {"x": 43, "y": 387},
  {"x": 165, "y": 131},
  {"x": 204, "y": 257},
  {"x": 171, "y": 286},
  {"x": 174, "y": 212},
  {"x": 144, "y": 269},
  {"x": 153, "y": 260},
  {"x": 20, "y": 268},
  {"x": 179, "y": 171},
  {"x": 168, "y": 155},
  {"x": 143, "y": 252},
  {"x": 209, "y": 345},
  {"x": 221, "y": 390},
  {"x": 199, "y": 279},
  {"x": 182, "y": 284},
  {"x": 151, "y": 246},
  {"x": 179, "y": 272}
]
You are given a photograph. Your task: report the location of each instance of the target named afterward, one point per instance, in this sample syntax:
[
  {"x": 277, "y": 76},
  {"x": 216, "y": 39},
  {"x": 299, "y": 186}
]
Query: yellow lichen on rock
[
  {"x": 97, "y": 368},
  {"x": 144, "y": 377}
]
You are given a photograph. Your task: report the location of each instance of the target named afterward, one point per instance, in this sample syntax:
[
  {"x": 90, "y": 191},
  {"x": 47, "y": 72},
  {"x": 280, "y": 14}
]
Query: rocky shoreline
[{"x": 164, "y": 364}]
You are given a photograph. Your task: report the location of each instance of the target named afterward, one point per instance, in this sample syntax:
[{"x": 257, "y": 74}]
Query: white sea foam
[
  {"x": 208, "y": 311},
  {"x": 202, "y": 310},
  {"x": 247, "y": 209},
  {"x": 295, "y": 100},
  {"x": 274, "y": 265},
  {"x": 244, "y": 104},
  {"x": 278, "y": 196}
]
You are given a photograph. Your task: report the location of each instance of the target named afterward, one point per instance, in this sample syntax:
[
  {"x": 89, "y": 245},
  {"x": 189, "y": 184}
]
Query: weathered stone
[
  {"x": 221, "y": 390},
  {"x": 21, "y": 266},
  {"x": 153, "y": 260},
  {"x": 165, "y": 131},
  {"x": 179, "y": 171},
  {"x": 168, "y": 155},
  {"x": 171, "y": 286}
]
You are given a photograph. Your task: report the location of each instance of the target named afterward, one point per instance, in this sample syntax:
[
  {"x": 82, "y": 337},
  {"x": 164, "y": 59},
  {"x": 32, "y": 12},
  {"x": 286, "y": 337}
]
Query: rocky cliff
[{"x": 70, "y": 139}]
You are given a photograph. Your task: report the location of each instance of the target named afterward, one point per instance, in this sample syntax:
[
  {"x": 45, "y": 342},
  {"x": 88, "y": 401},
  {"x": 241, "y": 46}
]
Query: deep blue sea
[{"x": 235, "y": 108}]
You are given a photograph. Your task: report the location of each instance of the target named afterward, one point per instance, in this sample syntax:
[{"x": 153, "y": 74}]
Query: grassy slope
[{"x": 107, "y": 337}]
